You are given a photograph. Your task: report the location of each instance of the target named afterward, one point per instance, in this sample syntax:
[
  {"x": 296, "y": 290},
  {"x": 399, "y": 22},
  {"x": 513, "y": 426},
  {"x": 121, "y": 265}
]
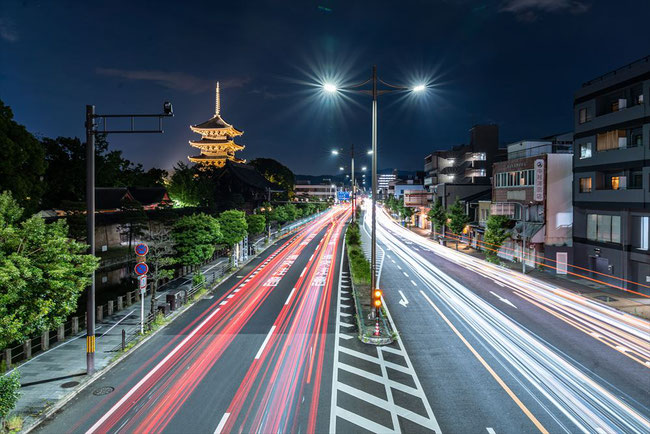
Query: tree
[
  {"x": 233, "y": 226},
  {"x": 256, "y": 223},
  {"x": 404, "y": 211},
  {"x": 160, "y": 256},
  {"x": 276, "y": 173},
  {"x": 437, "y": 216},
  {"x": 183, "y": 186},
  {"x": 278, "y": 214},
  {"x": 133, "y": 220},
  {"x": 292, "y": 212},
  {"x": 9, "y": 394},
  {"x": 42, "y": 273},
  {"x": 495, "y": 234},
  {"x": 196, "y": 236},
  {"x": 22, "y": 162},
  {"x": 65, "y": 177},
  {"x": 457, "y": 219}
]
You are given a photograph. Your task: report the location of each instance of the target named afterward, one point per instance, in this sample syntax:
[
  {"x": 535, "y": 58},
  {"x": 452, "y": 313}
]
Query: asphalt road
[
  {"x": 255, "y": 356},
  {"x": 496, "y": 352}
]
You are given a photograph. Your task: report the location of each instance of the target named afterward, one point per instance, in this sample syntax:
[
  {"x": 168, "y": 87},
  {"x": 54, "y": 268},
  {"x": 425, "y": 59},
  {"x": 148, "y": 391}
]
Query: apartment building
[
  {"x": 322, "y": 192},
  {"x": 611, "y": 166}
]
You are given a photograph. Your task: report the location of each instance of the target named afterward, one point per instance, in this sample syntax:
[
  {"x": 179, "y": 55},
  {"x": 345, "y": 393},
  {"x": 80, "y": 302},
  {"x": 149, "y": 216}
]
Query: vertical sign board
[{"x": 538, "y": 192}]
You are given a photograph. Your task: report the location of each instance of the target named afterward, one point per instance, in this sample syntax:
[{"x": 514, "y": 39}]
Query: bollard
[
  {"x": 123, "y": 339},
  {"x": 120, "y": 303},
  {"x": 27, "y": 349},
  {"x": 100, "y": 314},
  {"x": 60, "y": 333},
  {"x": 75, "y": 325},
  {"x": 8, "y": 359},
  {"x": 45, "y": 341},
  {"x": 110, "y": 307},
  {"x": 128, "y": 299}
]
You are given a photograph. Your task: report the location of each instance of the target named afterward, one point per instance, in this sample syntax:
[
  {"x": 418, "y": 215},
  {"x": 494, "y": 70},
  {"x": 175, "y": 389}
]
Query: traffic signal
[{"x": 376, "y": 298}]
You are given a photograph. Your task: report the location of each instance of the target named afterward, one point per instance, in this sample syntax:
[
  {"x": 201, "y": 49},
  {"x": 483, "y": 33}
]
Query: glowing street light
[
  {"x": 330, "y": 88},
  {"x": 335, "y": 152},
  {"x": 419, "y": 88},
  {"x": 363, "y": 169}
]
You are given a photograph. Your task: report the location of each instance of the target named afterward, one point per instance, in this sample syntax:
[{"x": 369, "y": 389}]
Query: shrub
[{"x": 9, "y": 393}]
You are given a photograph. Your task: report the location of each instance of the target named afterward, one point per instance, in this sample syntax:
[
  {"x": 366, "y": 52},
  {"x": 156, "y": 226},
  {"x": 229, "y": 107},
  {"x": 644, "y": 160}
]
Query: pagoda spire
[{"x": 217, "y": 102}]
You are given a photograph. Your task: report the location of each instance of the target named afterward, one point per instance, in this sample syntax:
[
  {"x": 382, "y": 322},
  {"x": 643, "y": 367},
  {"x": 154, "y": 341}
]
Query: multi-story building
[
  {"x": 534, "y": 187},
  {"x": 611, "y": 167},
  {"x": 324, "y": 192},
  {"x": 464, "y": 164}
]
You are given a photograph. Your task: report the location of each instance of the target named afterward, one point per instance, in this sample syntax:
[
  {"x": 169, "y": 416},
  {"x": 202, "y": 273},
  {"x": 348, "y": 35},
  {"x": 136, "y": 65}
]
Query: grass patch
[{"x": 359, "y": 265}]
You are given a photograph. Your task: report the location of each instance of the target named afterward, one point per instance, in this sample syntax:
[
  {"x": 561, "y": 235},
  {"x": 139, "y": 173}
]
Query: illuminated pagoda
[{"x": 217, "y": 145}]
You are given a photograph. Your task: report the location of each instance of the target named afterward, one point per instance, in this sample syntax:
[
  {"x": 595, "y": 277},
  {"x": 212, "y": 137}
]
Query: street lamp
[
  {"x": 352, "y": 180},
  {"x": 374, "y": 93},
  {"x": 91, "y": 131}
]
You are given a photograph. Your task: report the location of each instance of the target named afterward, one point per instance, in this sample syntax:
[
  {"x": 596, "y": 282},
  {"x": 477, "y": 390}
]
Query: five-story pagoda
[{"x": 216, "y": 144}]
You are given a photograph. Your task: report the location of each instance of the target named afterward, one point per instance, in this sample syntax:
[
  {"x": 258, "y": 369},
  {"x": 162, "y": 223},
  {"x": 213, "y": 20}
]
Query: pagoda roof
[
  {"x": 216, "y": 123},
  {"x": 208, "y": 141},
  {"x": 249, "y": 175}
]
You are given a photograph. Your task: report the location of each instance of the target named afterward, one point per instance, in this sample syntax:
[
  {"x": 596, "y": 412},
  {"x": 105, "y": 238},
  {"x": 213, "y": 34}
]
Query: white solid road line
[
  {"x": 266, "y": 341},
  {"x": 289, "y": 298},
  {"x": 490, "y": 430},
  {"x": 222, "y": 423}
]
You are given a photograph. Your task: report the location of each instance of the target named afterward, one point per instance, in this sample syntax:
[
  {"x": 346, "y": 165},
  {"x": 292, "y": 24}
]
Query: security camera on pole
[{"x": 141, "y": 269}]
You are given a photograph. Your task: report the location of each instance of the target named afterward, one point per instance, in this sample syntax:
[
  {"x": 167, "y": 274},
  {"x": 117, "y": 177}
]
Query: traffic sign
[
  {"x": 141, "y": 268},
  {"x": 142, "y": 280},
  {"x": 141, "y": 249}
]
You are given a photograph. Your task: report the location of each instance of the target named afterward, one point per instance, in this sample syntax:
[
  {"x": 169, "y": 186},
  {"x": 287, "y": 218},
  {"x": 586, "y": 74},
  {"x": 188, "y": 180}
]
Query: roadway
[
  {"x": 256, "y": 355},
  {"x": 496, "y": 351}
]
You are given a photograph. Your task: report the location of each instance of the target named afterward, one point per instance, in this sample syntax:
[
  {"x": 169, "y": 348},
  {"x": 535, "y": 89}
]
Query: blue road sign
[
  {"x": 343, "y": 195},
  {"x": 141, "y": 249},
  {"x": 141, "y": 268}
]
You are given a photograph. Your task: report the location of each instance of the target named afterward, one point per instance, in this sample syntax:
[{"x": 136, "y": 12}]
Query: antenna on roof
[{"x": 217, "y": 103}]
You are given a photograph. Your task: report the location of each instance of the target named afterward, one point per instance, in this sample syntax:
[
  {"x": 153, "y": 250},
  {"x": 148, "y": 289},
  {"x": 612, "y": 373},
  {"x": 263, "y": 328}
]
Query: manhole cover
[
  {"x": 605, "y": 298},
  {"x": 103, "y": 391},
  {"x": 69, "y": 384}
]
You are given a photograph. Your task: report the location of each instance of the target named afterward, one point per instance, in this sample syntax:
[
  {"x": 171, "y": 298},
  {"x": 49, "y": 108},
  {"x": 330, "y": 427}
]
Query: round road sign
[
  {"x": 141, "y": 249},
  {"x": 141, "y": 268}
]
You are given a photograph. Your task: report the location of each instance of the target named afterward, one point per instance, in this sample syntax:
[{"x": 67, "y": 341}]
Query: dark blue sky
[{"x": 514, "y": 62}]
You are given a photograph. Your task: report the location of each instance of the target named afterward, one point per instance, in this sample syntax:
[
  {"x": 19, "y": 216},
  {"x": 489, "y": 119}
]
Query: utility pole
[
  {"x": 91, "y": 130},
  {"x": 354, "y": 196},
  {"x": 373, "y": 241},
  {"x": 90, "y": 227}
]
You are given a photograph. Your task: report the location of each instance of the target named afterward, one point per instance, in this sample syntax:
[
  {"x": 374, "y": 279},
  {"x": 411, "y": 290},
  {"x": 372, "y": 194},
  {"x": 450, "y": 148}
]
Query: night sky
[{"x": 514, "y": 62}]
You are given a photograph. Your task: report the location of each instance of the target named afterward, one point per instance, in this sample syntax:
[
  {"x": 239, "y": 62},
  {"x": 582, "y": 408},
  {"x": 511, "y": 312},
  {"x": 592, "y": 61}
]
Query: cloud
[
  {"x": 173, "y": 80},
  {"x": 7, "y": 31},
  {"x": 529, "y": 10}
]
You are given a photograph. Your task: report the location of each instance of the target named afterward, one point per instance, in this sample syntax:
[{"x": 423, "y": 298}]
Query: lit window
[
  {"x": 585, "y": 150},
  {"x": 585, "y": 185},
  {"x": 645, "y": 233},
  {"x": 616, "y": 182}
]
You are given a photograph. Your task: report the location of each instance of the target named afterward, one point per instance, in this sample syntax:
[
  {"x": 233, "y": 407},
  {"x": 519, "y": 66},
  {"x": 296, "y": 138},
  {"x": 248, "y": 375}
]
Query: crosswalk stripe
[
  {"x": 364, "y": 396},
  {"x": 359, "y": 355},
  {"x": 361, "y": 421},
  {"x": 361, "y": 372}
]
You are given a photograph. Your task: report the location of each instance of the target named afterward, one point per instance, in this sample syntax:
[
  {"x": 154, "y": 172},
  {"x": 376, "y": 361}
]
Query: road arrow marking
[
  {"x": 404, "y": 301},
  {"x": 505, "y": 300}
]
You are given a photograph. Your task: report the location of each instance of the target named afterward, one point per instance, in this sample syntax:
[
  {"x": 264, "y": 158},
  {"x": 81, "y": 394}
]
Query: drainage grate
[
  {"x": 103, "y": 391},
  {"x": 69, "y": 384}
]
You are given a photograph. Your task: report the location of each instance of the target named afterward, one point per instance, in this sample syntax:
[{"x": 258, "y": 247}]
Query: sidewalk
[
  {"x": 52, "y": 375},
  {"x": 609, "y": 296}
]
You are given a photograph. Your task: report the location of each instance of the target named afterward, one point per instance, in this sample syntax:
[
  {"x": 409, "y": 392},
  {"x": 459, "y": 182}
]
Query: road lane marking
[
  {"x": 414, "y": 284},
  {"x": 505, "y": 300},
  {"x": 398, "y": 266},
  {"x": 496, "y": 376},
  {"x": 289, "y": 298},
  {"x": 222, "y": 423},
  {"x": 266, "y": 341},
  {"x": 490, "y": 430},
  {"x": 223, "y": 302},
  {"x": 403, "y": 301},
  {"x": 405, "y": 274}
]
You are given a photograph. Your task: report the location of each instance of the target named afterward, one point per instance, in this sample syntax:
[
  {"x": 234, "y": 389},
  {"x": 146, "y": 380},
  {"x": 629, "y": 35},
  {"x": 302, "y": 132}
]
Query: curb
[
  {"x": 387, "y": 331},
  {"x": 46, "y": 414}
]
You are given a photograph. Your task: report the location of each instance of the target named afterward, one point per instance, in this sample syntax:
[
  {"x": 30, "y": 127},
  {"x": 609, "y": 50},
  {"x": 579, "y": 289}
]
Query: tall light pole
[
  {"x": 374, "y": 92},
  {"x": 353, "y": 180},
  {"x": 91, "y": 131}
]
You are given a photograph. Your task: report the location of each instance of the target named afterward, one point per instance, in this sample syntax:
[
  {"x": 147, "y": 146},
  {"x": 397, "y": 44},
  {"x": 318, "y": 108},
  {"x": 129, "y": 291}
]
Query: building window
[
  {"x": 583, "y": 115},
  {"x": 604, "y": 228},
  {"x": 585, "y": 150},
  {"x": 644, "y": 243},
  {"x": 636, "y": 137},
  {"x": 636, "y": 179},
  {"x": 616, "y": 139},
  {"x": 585, "y": 185}
]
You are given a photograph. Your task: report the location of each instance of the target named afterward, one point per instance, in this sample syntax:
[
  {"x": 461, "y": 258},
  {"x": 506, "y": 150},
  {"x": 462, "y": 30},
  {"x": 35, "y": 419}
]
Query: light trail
[
  {"x": 581, "y": 399},
  {"x": 289, "y": 370},
  {"x": 158, "y": 396}
]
